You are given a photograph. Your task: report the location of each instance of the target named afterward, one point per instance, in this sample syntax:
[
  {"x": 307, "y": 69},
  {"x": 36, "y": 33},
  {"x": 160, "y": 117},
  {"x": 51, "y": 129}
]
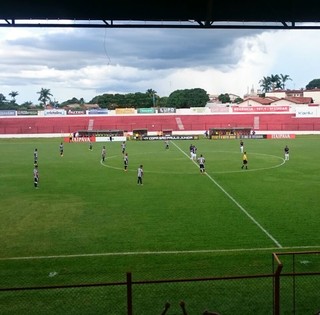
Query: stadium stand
[{"x": 153, "y": 123}]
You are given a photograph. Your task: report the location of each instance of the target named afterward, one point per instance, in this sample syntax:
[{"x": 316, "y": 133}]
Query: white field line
[
  {"x": 234, "y": 201},
  {"x": 169, "y": 252}
]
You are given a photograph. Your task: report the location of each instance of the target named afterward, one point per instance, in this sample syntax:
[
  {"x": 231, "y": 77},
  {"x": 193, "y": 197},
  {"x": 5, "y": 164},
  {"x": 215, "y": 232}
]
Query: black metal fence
[
  {"x": 292, "y": 288},
  {"x": 298, "y": 285}
]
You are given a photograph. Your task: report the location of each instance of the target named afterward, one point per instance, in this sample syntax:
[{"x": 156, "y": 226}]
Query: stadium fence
[{"x": 292, "y": 287}]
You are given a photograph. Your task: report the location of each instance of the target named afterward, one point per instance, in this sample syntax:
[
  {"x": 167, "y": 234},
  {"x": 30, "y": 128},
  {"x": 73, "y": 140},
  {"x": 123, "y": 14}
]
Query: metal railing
[{"x": 291, "y": 288}]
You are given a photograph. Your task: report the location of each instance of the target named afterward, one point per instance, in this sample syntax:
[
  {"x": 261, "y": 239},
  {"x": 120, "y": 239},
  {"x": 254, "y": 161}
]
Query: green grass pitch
[{"x": 90, "y": 222}]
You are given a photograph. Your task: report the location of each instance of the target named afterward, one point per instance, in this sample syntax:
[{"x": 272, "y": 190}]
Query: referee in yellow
[{"x": 244, "y": 161}]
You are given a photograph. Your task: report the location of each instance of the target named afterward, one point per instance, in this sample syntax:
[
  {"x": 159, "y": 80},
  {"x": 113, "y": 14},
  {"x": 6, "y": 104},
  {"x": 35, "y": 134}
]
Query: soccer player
[
  {"x": 123, "y": 147},
  {"x": 125, "y": 162},
  {"x": 286, "y": 153},
  {"x": 244, "y": 161},
  {"x": 36, "y": 176},
  {"x": 194, "y": 153},
  {"x": 191, "y": 150},
  {"x": 103, "y": 153},
  {"x": 201, "y": 161},
  {"x": 35, "y": 157},
  {"x": 61, "y": 149},
  {"x": 90, "y": 146},
  {"x": 241, "y": 146},
  {"x": 140, "y": 175},
  {"x": 166, "y": 144}
]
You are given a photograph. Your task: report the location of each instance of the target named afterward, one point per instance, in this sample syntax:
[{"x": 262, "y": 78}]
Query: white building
[{"x": 314, "y": 94}]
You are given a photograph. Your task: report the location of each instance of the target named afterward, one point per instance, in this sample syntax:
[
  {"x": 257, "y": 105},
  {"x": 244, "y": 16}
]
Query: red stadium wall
[{"x": 153, "y": 123}]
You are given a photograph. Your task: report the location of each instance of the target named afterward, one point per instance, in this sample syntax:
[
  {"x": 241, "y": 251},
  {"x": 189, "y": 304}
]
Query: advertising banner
[
  {"x": 186, "y": 137},
  {"x": 110, "y": 139},
  {"x": 84, "y": 139},
  {"x": 218, "y": 109},
  {"x": 198, "y": 110},
  {"x": 125, "y": 111},
  {"x": 7, "y": 112},
  {"x": 281, "y": 136},
  {"x": 259, "y": 109},
  {"x": 27, "y": 113},
  {"x": 146, "y": 110},
  {"x": 101, "y": 111},
  {"x": 307, "y": 112},
  {"x": 76, "y": 112},
  {"x": 258, "y": 136},
  {"x": 54, "y": 112},
  {"x": 167, "y": 110}
]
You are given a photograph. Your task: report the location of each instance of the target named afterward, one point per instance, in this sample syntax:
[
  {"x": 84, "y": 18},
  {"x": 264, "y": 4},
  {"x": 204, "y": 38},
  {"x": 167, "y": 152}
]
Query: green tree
[
  {"x": 265, "y": 84},
  {"x": 2, "y": 99},
  {"x": 131, "y": 100},
  {"x": 74, "y": 100},
  {"x": 162, "y": 101},
  {"x": 179, "y": 99},
  {"x": 224, "y": 98},
  {"x": 153, "y": 95},
  {"x": 109, "y": 101},
  {"x": 26, "y": 105},
  {"x": 13, "y": 95},
  {"x": 44, "y": 97},
  {"x": 284, "y": 78},
  {"x": 136, "y": 100},
  {"x": 238, "y": 100},
  {"x": 275, "y": 81},
  {"x": 313, "y": 84},
  {"x": 188, "y": 98}
]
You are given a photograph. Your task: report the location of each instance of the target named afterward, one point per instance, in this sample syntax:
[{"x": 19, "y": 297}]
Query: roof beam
[{"x": 158, "y": 24}]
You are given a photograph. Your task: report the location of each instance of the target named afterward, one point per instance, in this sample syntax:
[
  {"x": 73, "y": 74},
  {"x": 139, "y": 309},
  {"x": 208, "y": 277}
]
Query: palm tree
[
  {"x": 275, "y": 81},
  {"x": 265, "y": 84},
  {"x": 284, "y": 78},
  {"x": 13, "y": 95},
  {"x": 44, "y": 96},
  {"x": 153, "y": 94}
]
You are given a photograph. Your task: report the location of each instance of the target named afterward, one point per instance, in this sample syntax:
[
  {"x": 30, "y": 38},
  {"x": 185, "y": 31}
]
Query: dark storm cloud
[
  {"x": 167, "y": 49},
  {"x": 139, "y": 48}
]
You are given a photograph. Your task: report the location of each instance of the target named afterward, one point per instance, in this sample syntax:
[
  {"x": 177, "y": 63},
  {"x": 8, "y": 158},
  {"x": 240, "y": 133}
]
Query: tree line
[
  {"x": 44, "y": 98},
  {"x": 186, "y": 98},
  {"x": 179, "y": 99}
]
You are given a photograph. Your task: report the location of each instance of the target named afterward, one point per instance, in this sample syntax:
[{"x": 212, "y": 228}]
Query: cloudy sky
[{"x": 89, "y": 62}]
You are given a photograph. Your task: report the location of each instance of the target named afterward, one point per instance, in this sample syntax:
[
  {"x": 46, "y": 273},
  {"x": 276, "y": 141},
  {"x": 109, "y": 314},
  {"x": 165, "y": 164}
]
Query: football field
[{"x": 90, "y": 222}]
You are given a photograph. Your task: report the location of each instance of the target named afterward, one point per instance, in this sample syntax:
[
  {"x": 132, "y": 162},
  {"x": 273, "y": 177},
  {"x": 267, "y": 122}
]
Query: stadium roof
[{"x": 271, "y": 14}]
